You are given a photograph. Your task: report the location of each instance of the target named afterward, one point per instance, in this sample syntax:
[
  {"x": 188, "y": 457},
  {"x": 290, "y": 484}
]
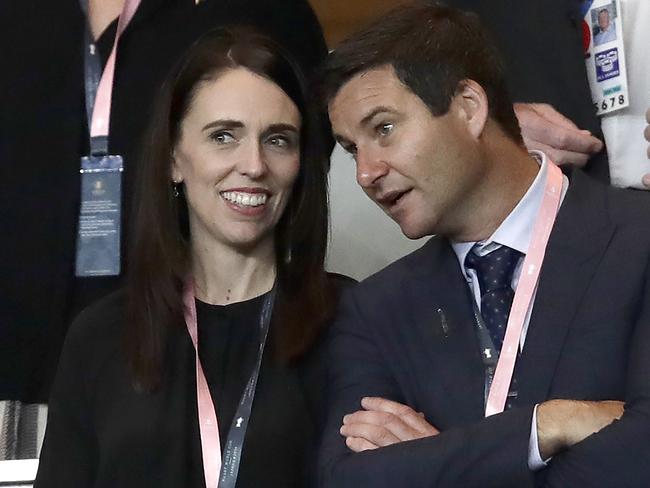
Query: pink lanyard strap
[
  {"x": 525, "y": 290},
  {"x": 208, "y": 425},
  {"x": 102, "y": 109}
]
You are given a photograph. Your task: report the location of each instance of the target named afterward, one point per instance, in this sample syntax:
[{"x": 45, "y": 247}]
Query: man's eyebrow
[
  {"x": 377, "y": 110},
  {"x": 223, "y": 123},
  {"x": 341, "y": 140}
]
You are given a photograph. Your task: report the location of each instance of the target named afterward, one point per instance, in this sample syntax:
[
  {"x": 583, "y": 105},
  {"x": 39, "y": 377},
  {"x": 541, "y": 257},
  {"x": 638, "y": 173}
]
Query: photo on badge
[{"x": 603, "y": 23}]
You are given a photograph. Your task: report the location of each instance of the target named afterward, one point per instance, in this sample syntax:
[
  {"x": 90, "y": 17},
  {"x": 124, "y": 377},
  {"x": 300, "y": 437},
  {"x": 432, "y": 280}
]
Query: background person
[{"x": 233, "y": 195}]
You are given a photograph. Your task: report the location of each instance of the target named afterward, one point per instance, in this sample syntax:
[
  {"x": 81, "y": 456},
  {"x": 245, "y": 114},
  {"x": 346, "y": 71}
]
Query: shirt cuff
[{"x": 535, "y": 461}]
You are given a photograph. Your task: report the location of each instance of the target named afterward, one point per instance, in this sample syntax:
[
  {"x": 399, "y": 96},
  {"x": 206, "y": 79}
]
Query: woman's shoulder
[{"x": 99, "y": 324}]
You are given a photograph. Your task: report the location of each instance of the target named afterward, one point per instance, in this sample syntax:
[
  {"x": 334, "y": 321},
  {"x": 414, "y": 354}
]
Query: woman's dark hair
[
  {"x": 432, "y": 48},
  {"x": 159, "y": 259}
]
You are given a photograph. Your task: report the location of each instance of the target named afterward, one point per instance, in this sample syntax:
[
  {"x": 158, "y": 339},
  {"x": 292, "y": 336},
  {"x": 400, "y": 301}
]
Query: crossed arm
[{"x": 374, "y": 439}]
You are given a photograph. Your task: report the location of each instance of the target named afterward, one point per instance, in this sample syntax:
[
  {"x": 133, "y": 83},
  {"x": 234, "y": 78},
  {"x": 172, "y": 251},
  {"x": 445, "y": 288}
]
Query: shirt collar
[{"x": 517, "y": 228}]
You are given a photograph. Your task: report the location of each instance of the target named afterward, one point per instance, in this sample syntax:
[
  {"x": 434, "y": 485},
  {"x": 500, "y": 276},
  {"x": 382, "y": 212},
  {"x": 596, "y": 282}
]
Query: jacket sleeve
[
  {"x": 618, "y": 455},
  {"x": 491, "y": 452}
]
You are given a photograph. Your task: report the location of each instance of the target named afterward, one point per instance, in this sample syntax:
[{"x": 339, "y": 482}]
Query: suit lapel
[
  {"x": 579, "y": 238},
  {"x": 440, "y": 309}
]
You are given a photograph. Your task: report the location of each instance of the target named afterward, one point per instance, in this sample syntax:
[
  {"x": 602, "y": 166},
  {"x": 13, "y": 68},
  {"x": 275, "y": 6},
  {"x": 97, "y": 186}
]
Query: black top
[
  {"x": 102, "y": 433},
  {"x": 228, "y": 342},
  {"x": 43, "y": 135}
]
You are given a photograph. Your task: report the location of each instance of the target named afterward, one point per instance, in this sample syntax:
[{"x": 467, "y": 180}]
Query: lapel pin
[{"x": 443, "y": 322}]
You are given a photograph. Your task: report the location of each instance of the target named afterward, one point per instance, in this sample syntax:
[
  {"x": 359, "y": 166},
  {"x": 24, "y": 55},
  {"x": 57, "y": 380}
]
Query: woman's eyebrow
[
  {"x": 281, "y": 128},
  {"x": 224, "y": 123}
]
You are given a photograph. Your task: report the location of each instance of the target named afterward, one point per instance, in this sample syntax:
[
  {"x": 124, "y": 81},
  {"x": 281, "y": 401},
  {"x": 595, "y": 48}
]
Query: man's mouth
[{"x": 391, "y": 198}]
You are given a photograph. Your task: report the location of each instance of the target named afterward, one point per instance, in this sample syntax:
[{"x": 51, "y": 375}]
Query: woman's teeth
[{"x": 245, "y": 199}]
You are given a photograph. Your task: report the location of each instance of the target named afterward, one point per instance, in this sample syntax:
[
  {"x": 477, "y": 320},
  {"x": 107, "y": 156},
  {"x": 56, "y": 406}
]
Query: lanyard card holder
[
  {"x": 99, "y": 228},
  {"x": 604, "y": 52}
]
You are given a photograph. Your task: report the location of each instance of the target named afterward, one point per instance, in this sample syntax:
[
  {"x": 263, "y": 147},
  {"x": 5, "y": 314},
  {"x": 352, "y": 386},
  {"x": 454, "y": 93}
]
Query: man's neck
[{"x": 511, "y": 172}]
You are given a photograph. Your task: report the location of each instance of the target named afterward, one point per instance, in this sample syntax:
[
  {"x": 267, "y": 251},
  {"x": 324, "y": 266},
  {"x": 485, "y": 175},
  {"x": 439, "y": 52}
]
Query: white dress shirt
[{"x": 516, "y": 232}]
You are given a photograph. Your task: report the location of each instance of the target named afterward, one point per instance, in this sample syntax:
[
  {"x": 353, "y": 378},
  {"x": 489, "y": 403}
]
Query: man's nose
[{"x": 370, "y": 168}]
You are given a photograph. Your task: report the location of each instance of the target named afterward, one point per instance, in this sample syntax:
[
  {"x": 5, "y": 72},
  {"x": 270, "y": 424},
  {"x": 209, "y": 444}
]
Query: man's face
[
  {"x": 418, "y": 168},
  {"x": 603, "y": 20}
]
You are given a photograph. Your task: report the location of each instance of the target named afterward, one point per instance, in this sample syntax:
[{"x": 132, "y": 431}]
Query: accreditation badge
[
  {"x": 98, "y": 234},
  {"x": 602, "y": 29}
]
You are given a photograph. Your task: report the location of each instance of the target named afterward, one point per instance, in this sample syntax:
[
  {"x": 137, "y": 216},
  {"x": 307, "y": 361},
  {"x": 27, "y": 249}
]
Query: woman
[{"x": 230, "y": 224}]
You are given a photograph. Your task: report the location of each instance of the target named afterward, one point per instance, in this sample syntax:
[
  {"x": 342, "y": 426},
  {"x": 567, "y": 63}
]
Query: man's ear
[{"x": 471, "y": 102}]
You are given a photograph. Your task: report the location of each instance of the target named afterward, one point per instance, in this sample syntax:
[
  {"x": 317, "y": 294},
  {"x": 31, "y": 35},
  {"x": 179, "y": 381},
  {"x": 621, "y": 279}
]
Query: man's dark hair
[{"x": 432, "y": 48}]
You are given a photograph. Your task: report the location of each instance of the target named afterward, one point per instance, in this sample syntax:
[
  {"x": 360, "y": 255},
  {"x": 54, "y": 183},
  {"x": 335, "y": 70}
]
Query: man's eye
[
  {"x": 222, "y": 137},
  {"x": 385, "y": 129}
]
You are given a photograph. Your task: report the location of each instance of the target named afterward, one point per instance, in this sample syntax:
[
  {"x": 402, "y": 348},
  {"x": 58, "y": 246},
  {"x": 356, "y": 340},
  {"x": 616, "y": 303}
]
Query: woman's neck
[
  {"x": 101, "y": 13},
  {"x": 224, "y": 275}
]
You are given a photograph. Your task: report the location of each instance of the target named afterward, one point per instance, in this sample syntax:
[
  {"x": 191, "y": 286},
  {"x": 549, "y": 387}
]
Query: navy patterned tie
[{"x": 494, "y": 272}]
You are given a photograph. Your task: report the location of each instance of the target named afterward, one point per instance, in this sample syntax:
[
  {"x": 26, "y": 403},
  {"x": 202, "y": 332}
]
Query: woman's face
[{"x": 238, "y": 155}]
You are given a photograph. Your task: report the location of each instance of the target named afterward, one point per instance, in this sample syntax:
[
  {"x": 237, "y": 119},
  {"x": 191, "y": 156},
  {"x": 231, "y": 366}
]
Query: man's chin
[{"x": 413, "y": 232}]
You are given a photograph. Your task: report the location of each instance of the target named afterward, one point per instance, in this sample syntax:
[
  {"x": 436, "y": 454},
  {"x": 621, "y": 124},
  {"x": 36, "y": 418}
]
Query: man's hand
[
  {"x": 383, "y": 422},
  {"x": 563, "y": 423},
  {"x": 646, "y": 134},
  {"x": 545, "y": 129}
]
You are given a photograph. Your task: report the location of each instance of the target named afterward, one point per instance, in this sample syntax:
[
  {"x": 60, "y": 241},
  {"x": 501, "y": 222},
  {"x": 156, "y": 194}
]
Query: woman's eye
[
  {"x": 221, "y": 137},
  {"x": 385, "y": 129},
  {"x": 281, "y": 142}
]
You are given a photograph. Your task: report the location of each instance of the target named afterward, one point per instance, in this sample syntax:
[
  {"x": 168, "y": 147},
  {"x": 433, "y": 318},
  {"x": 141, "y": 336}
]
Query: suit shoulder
[
  {"x": 630, "y": 208},
  {"x": 400, "y": 270}
]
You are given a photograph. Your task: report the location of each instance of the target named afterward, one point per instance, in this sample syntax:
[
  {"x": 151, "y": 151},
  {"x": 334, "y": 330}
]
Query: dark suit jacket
[
  {"x": 588, "y": 338},
  {"x": 541, "y": 43}
]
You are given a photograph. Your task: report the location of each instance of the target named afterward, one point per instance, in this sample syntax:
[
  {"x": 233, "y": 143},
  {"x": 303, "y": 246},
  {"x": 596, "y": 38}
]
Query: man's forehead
[
  {"x": 364, "y": 91},
  {"x": 368, "y": 82}
]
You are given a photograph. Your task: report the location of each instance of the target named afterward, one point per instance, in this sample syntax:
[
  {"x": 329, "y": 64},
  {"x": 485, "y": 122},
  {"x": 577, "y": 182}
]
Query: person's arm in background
[{"x": 545, "y": 129}]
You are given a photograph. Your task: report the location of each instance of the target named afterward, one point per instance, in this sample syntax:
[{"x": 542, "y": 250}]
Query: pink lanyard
[
  {"x": 525, "y": 290},
  {"x": 220, "y": 472},
  {"x": 102, "y": 107},
  {"x": 208, "y": 426}
]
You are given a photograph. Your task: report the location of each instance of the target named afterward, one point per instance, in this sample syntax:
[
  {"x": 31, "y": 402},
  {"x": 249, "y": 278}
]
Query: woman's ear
[
  {"x": 177, "y": 176},
  {"x": 472, "y": 105}
]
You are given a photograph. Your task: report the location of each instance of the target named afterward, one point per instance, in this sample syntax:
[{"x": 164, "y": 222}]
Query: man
[
  {"x": 606, "y": 29},
  {"x": 419, "y": 100}
]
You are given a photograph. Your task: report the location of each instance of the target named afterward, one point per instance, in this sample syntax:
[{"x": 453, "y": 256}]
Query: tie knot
[{"x": 494, "y": 270}]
